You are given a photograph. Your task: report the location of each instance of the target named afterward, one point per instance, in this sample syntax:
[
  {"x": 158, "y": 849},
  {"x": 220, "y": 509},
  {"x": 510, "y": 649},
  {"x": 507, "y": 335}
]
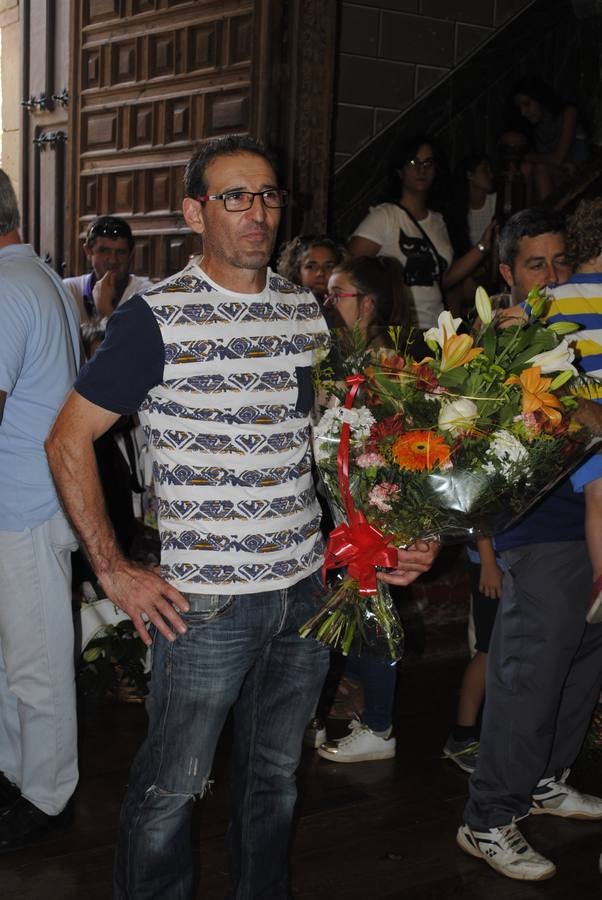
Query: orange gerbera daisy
[
  {"x": 536, "y": 397},
  {"x": 419, "y": 450}
]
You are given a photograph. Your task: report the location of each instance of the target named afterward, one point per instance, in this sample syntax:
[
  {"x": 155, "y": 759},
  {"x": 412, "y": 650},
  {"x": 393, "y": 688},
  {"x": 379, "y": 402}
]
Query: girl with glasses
[{"x": 409, "y": 230}]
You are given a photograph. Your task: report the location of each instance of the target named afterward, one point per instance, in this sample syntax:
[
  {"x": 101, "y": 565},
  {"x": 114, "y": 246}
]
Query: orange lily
[
  {"x": 457, "y": 351},
  {"x": 536, "y": 395}
]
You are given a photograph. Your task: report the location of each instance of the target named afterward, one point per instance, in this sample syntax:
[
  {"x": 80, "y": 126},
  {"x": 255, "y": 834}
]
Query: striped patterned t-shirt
[
  {"x": 580, "y": 300},
  {"x": 227, "y": 418}
]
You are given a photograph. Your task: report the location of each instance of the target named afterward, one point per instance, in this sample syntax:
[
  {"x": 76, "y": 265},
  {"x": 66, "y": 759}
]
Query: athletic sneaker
[
  {"x": 557, "y": 798},
  {"x": 462, "y": 753},
  {"x": 506, "y": 850},
  {"x": 360, "y": 745},
  {"x": 594, "y": 613},
  {"x": 315, "y": 733}
]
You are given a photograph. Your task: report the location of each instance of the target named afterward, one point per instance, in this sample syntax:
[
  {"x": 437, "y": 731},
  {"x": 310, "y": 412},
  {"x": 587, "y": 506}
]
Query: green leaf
[{"x": 490, "y": 343}]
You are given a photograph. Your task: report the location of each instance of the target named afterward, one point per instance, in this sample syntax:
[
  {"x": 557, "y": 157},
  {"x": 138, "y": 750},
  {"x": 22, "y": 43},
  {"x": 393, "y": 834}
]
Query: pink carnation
[
  {"x": 381, "y": 495},
  {"x": 369, "y": 460}
]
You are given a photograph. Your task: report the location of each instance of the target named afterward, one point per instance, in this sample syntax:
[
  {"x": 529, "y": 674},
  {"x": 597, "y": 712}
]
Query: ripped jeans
[{"x": 244, "y": 653}]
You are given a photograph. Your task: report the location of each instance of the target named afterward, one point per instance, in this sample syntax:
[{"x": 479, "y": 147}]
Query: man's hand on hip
[{"x": 146, "y": 597}]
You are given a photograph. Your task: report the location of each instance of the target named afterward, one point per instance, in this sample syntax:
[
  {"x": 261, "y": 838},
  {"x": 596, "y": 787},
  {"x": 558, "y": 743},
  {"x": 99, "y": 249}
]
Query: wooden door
[
  {"x": 44, "y": 132},
  {"x": 151, "y": 77}
]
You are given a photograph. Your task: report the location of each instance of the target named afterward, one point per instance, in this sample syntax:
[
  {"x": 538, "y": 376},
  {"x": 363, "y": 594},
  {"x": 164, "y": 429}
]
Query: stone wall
[
  {"x": 10, "y": 86},
  {"x": 393, "y": 51},
  {"x": 465, "y": 110}
]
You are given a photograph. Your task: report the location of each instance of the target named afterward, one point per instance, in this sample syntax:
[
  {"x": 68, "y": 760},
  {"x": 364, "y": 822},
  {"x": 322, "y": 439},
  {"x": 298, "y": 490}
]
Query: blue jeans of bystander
[{"x": 242, "y": 652}]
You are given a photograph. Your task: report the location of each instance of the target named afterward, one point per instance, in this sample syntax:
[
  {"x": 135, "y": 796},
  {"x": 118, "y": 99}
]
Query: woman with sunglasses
[{"x": 410, "y": 231}]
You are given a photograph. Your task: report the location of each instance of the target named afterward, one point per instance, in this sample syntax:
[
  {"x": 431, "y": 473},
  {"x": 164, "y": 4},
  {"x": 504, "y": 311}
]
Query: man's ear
[
  {"x": 193, "y": 214},
  {"x": 506, "y": 273},
  {"x": 87, "y": 251}
]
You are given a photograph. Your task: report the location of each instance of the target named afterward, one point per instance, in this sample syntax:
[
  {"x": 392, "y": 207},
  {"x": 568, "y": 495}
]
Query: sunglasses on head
[{"x": 109, "y": 229}]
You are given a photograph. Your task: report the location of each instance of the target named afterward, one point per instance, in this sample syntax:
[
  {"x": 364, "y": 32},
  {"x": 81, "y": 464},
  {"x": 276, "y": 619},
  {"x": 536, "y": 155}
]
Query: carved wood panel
[
  {"x": 152, "y": 77},
  {"x": 44, "y": 127}
]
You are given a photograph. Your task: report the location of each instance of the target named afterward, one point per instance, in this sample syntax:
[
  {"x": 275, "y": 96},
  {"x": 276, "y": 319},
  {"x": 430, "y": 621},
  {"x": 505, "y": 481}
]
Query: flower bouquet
[{"x": 456, "y": 445}]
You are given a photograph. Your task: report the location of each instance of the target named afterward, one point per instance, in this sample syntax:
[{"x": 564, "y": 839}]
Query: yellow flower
[
  {"x": 536, "y": 395},
  {"x": 457, "y": 351}
]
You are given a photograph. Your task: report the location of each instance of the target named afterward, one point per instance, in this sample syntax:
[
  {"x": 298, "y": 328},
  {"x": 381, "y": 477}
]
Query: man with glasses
[
  {"x": 217, "y": 359},
  {"x": 109, "y": 248}
]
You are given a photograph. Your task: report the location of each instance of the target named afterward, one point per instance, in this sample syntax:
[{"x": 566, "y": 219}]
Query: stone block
[
  {"x": 507, "y": 8},
  {"x": 426, "y": 76},
  {"x": 353, "y": 128},
  {"x": 10, "y": 75},
  {"x": 468, "y": 38},
  {"x": 383, "y": 117},
  {"x": 410, "y": 6},
  {"x": 11, "y": 156},
  {"x": 475, "y": 12},
  {"x": 359, "y": 30},
  {"x": 371, "y": 82},
  {"x": 417, "y": 39}
]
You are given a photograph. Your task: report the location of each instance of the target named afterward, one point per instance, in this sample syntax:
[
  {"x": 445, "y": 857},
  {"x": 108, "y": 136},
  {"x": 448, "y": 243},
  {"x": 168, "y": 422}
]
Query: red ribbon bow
[
  {"x": 358, "y": 545},
  {"x": 361, "y": 547}
]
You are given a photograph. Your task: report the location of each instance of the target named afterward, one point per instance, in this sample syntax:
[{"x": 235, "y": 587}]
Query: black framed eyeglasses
[
  {"x": 421, "y": 163},
  {"x": 239, "y": 201}
]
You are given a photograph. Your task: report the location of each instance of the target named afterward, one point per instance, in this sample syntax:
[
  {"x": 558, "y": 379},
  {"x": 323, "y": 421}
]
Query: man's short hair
[
  {"x": 9, "y": 207},
  {"x": 527, "y": 223},
  {"x": 195, "y": 184},
  {"x": 584, "y": 232},
  {"x": 111, "y": 227}
]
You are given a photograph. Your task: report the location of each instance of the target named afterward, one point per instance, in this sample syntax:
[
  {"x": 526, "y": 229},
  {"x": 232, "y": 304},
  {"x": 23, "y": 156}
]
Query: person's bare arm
[
  {"x": 359, "y": 246},
  {"x": 137, "y": 590},
  {"x": 2, "y": 402},
  {"x": 412, "y": 563},
  {"x": 463, "y": 266}
]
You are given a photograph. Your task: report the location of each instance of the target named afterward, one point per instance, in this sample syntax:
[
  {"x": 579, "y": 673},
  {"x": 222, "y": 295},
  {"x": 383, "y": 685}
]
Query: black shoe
[
  {"x": 9, "y": 792},
  {"x": 23, "y": 823}
]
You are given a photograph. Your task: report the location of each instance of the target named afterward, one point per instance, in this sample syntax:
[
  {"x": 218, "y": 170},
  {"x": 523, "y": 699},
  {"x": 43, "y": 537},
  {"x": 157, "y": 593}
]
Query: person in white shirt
[
  {"x": 109, "y": 248},
  {"x": 417, "y": 236}
]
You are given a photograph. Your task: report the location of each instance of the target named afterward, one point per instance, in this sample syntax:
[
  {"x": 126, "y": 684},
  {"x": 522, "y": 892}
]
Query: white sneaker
[
  {"x": 359, "y": 746},
  {"x": 556, "y": 798},
  {"x": 506, "y": 851}
]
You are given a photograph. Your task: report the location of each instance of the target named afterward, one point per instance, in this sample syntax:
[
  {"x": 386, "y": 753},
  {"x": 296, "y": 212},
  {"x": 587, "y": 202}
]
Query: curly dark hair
[
  {"x": 584, "y": 232},
  {"x": 289, "y": 257}
]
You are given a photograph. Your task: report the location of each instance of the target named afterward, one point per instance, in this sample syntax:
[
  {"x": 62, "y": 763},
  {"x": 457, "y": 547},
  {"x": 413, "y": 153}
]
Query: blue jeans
[{"x": 242, "y": 652}]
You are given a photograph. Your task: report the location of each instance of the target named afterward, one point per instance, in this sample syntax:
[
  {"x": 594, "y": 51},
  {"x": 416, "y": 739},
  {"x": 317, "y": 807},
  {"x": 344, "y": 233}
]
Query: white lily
[
  {"x": 560, "y": 359},
  {"x": 446, "y": 327},
  {"x": 457, "y": 416}
]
